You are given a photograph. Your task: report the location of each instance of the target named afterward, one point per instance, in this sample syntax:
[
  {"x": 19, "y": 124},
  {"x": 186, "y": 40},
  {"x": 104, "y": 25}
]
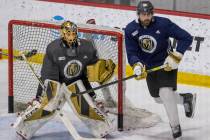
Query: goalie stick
[
  {"x": 19, "y": 57},
  {"x": 65, "y": 118},
  {"x": 117, "y": 81},
  {"x": 23, "y": 56}
]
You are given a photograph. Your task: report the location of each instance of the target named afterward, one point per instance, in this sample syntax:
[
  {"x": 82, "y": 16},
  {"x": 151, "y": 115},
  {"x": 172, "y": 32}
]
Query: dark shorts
[{"x": 156, "y": 80}]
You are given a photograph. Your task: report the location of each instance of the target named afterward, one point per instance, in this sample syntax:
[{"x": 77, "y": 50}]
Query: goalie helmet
[
  {"x": 69, "y": 32},
  {"x": 145, "y": 6}
]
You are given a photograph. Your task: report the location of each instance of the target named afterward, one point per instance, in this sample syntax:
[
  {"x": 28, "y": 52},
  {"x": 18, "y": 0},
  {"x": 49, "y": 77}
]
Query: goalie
[{"x": 69, "y": 65}]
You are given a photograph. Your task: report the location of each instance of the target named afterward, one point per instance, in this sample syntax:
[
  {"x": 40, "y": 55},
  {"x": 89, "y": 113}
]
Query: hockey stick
[
  {"x": 120, "y": 80},
  {"x": 65, "y": 118},
  {"x": 19, "y": 57},
  {"x": 23, "y": 56}
]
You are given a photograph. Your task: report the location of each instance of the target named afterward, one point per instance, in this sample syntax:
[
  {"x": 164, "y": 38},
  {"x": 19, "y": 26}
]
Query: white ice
[{"x": 197, "y": 128}]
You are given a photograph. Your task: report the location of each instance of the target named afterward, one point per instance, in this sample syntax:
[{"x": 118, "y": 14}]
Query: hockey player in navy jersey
[{"x": 147, "y": 46}]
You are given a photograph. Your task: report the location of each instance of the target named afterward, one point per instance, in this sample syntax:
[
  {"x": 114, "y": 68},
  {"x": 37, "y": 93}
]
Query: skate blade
[{"x": 21, "y": 136}]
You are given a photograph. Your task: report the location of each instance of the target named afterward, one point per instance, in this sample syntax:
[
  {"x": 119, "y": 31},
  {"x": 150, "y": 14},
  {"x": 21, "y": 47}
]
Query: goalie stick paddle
[
  {"x": 116, "y": 81},
  {"x": 19, "y": 57}
]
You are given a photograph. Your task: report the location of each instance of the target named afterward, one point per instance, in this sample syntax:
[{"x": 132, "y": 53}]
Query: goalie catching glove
[
  {"x": 139, "y": 70},
  {"x": 173, "y": 60},
  {"x": 101, "y": 71}
]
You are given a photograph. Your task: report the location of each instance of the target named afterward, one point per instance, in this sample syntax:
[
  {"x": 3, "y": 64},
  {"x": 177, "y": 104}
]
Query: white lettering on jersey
[
  {"x": 135, "y": 33},
  {"x": 61, "y": 58}
]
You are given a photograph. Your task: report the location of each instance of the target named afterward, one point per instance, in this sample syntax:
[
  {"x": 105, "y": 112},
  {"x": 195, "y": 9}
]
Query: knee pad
[{"x": 53, "y": 97}]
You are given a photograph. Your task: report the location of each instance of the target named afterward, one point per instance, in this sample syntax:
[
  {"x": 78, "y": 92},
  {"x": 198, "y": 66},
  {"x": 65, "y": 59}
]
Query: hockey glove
[
  {"x": 101, "y": 71},
  {"x": 139, "y": 70},
  {"x": 173, "y": 60}
]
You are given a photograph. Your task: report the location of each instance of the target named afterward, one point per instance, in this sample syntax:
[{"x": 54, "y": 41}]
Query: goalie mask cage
[{"x": 29, "y": 35}]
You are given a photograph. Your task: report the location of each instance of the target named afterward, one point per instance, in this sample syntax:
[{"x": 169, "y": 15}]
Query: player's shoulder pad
[
  {"x": 54, "y": 45},
  {"x": 131, "y": 27},
  {"x": 86, "y": 44}
]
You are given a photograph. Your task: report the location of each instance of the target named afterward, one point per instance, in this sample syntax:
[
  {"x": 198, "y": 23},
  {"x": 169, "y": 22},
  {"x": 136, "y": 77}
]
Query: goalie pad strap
[
  {"x": 48, "y": 96},
  {"x": 81, "y": 106}
]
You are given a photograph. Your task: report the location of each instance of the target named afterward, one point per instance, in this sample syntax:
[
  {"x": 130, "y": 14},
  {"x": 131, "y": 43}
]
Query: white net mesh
[{"x": 26, "y": 36}]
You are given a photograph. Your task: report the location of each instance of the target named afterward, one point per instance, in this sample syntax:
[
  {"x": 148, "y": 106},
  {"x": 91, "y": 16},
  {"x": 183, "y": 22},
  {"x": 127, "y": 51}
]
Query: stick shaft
[
  {"x": 33, "y": 71},
  {"x": 120, "y": 80}
]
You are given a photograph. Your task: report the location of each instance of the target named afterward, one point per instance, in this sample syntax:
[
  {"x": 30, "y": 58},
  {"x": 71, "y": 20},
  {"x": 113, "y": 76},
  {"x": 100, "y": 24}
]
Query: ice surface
[{"x": 197, "y": 128}]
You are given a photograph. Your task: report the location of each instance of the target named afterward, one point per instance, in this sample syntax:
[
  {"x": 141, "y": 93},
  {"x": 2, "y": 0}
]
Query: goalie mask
[{"x": 69, "y": 32}]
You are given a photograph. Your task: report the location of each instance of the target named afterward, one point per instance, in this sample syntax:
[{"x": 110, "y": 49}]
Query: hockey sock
[{"x": 167, "y": 95}]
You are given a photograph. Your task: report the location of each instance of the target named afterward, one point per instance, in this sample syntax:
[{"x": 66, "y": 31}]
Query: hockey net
[{"x": 30, "y": 35}]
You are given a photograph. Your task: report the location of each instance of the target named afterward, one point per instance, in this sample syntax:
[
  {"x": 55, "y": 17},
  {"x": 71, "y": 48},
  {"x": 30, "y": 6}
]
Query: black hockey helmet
[{"x": 145, "y": 6}]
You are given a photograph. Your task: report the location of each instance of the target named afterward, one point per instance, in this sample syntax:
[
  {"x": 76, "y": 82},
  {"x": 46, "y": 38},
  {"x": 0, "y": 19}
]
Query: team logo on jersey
[
  {"x": 72, "y": 68},
  {"x": 147, "y": 43}
]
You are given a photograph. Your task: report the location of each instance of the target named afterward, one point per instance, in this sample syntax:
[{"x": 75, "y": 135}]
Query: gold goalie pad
[
  {"x": 101, "y": 71},
  {"x": 36, "y": 110},
  {"x": 81, "y": 106}
]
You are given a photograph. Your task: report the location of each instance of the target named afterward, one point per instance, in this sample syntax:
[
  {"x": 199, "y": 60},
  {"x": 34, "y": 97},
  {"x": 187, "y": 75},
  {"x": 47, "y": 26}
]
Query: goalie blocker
[{"x": 101, "y": 71}]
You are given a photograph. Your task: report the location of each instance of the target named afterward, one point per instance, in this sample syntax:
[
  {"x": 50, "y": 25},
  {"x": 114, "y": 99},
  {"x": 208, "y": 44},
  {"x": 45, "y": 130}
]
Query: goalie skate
[
  {"x": 20, "y": 136},
  {"x": 25, "y": 130}
]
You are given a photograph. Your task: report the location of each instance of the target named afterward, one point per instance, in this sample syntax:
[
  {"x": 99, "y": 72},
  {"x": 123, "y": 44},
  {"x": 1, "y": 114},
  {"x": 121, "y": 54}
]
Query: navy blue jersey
[{"x": 150, "y": 45}]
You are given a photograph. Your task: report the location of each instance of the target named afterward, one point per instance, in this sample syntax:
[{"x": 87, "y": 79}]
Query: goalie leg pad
[
  {"x": 49, "y": 102},
  {"x": 28, "y": 128},
  {"x": 53, "y": 95},
  {"x": 81, "y": 106},
  {"x": 29, "y": 121},
  {"x": 94, "y": 119},
  {"x": 40, "y": 111}
]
